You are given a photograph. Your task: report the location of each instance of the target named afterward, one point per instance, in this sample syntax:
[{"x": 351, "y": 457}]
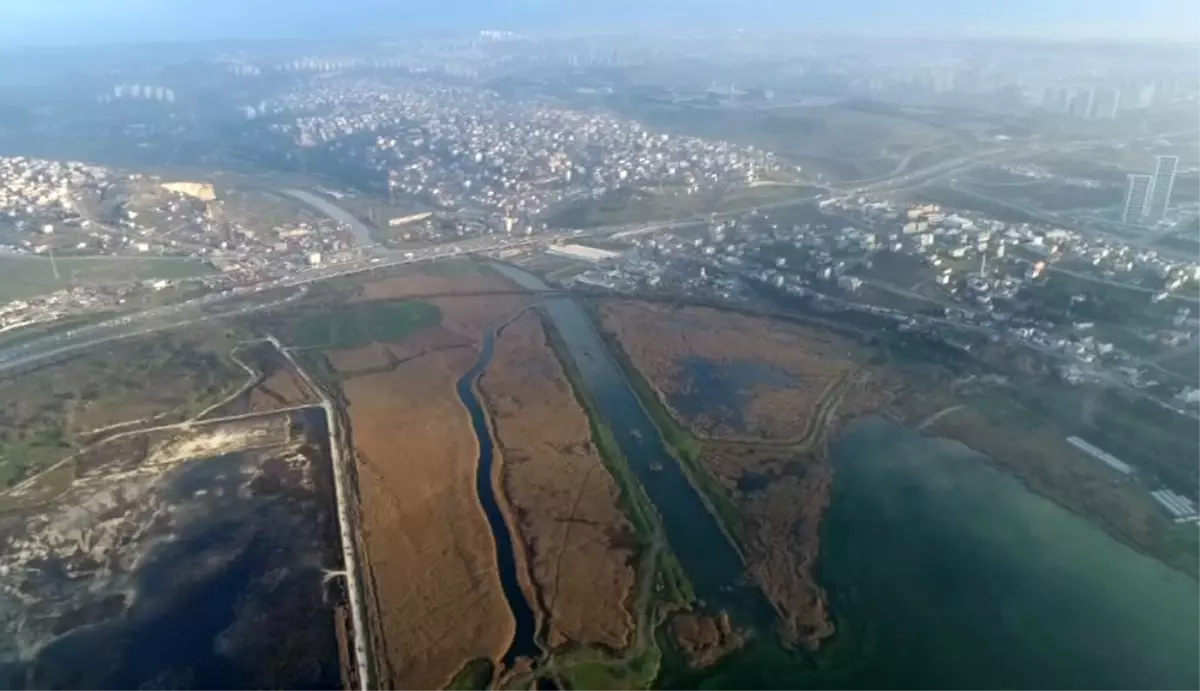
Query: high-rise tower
[
  {"x": 1137, "y": 196},
  {"x": 1160, "y": 190}
]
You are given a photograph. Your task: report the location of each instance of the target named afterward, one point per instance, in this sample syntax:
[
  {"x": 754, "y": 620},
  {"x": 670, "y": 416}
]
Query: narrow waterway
[
  {"x": 694, "y": 536},
  {"x": 524, "y": 643},
  {"x": 362, "y": 234}
]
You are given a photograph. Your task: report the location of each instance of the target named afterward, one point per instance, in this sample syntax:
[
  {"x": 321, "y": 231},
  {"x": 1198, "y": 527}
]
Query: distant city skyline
[{"x": 68, "y": 22}]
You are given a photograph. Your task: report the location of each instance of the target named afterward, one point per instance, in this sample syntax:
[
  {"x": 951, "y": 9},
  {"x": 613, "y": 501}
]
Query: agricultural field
[
  {"x": 361, "y": 323},
  {"x": 429, "y": 556},
  {"x": 391, "y": 349}
]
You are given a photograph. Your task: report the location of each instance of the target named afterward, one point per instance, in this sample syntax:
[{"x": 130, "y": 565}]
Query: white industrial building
[
  {"x": 1181, "y": 508},
  {"x": 1109, "y": 459},
  {"x": 583, "y": 252}
]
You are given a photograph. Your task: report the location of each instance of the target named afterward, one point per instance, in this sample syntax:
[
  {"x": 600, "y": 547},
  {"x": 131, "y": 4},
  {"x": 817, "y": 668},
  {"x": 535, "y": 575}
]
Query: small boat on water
[
  {"x": 656, "y": 466},
  {"x": 637, "y": 434}
]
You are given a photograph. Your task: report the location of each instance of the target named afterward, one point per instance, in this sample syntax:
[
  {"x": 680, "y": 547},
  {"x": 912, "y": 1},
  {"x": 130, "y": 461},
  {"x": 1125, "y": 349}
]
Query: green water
[{"x": 946, "y": 573}]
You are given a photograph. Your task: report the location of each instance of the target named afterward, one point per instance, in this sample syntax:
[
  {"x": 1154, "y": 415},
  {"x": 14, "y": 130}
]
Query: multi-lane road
[
  {"x": 376, "y": 256},
  {"x": 208, "y": 307}
]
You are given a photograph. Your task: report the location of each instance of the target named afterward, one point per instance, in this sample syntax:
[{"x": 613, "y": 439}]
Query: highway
[
  {"x": 125, "y": 327},
  {"x": 185, "y": 313},
  {"x": 1013, "y": 151},
  {"x": 179, "y": 315}
]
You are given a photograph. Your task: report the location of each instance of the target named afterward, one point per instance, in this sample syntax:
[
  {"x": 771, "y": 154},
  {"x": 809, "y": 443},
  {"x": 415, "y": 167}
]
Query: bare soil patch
[{"x": 565, "y": 503}]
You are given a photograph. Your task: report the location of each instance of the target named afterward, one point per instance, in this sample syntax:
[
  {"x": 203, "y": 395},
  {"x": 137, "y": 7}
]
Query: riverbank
[
  {"x": 768, "y": 494},
  {"x": 430, "y": 555},
  {"x": 662, "y": 585},
  {"x": 639, "y": 508},
  {"x": 685, "y": 446},
  {"x": 511, "y": 556},
  {"x": 562, "y": 502},
  {"x": 946, "y": 572}
]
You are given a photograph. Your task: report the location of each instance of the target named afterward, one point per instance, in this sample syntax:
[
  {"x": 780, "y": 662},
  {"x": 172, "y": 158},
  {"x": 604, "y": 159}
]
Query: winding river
[{"x": 524, "y": 642}]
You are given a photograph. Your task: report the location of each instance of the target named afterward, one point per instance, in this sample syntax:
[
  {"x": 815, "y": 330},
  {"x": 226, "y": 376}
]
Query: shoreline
[{"x": 680, "y": 449}]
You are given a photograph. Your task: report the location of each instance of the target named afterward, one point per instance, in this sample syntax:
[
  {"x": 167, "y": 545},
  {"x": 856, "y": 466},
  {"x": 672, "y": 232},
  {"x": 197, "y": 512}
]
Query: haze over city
[
  {"x": 70, "y": 22},
  {"x": 565, "y": 345}
]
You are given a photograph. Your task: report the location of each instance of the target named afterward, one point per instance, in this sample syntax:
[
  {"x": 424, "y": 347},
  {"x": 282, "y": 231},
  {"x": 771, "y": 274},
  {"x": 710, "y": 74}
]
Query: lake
[
  {"x": 946, "y": 573},
  {"x": 942, "y": 571}
]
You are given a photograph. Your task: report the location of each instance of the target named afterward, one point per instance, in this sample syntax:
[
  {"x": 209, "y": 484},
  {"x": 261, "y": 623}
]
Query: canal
[
  {"x": 941, "y": 571},
  {"x": 693, "y": 534},
  {"x": 524, "y": 642}
]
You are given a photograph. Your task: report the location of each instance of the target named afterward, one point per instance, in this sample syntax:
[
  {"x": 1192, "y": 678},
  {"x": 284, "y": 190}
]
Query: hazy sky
[{"x": 37, "y": 22}]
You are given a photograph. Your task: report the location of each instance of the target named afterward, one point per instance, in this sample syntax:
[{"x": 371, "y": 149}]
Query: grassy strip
[
  {"x": 677, "y": 589},
  {"x": 357, "y": 324},
  {"x": 109, "y": 378},
  {"x": 686, "y": 447},
  {"x": 588, "y": 668},
  {"x": 476, "y": 674},
  {"x": 637, "y": 505},
  {"x": 25, "y": 276},
  {"x": 591, "y": 668},
  {"x": 20, "y": 460}
]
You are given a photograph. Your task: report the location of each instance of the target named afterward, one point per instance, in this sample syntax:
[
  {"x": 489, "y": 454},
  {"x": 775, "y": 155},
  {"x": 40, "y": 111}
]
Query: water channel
[
  {"x": 692, "y": 533},
  {"x": 712, "y": 564},
  {"x": 941, "y": 571},
  {"x": 524, "y": 642}
]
